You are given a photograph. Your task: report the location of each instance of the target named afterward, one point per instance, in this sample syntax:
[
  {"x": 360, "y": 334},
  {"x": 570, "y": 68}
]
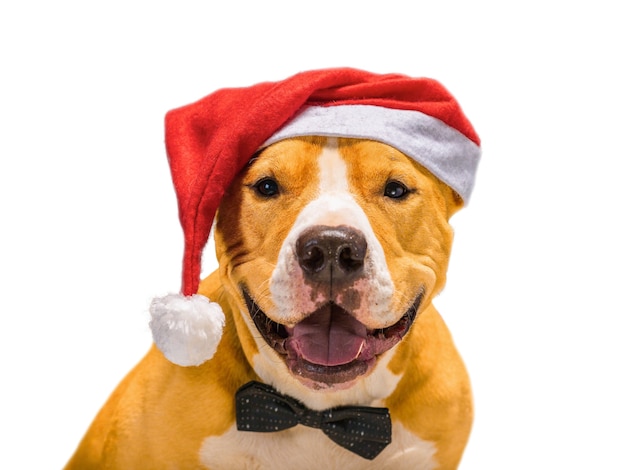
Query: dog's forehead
[
  {"x": 288, "y": 152},
  {"x": 373, "y": 156}
]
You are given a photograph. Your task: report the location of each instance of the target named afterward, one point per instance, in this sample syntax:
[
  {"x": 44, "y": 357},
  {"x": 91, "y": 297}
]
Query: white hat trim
[{"x": 443, "y": 150}]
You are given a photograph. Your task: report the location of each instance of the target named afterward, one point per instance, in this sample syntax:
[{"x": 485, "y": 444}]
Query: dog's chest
[{"x": 309, "y": 449}]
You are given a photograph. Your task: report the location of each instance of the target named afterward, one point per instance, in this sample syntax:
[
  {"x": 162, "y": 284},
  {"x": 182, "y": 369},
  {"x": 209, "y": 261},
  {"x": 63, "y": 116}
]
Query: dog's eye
[
  {"x": 267, "y": 187},
  {"x": 396, "y": 190}
]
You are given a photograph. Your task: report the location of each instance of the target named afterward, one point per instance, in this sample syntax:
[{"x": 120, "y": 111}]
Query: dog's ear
[{"x": 454, "y": 201}]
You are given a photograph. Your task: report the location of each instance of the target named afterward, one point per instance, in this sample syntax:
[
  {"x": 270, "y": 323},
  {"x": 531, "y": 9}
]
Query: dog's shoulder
[{"x": 150, "y": 398}]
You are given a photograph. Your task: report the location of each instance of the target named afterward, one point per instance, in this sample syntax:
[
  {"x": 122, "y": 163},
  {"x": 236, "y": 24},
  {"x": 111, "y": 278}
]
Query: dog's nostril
[
  {"x": 350, "y": 259},
  {"x": 312, "y": 260},
  {"x": 331, "y": 253}
]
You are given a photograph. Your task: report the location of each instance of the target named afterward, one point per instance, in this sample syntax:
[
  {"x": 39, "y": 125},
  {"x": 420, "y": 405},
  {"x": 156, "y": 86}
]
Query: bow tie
[{"x": 363, "y": 430}]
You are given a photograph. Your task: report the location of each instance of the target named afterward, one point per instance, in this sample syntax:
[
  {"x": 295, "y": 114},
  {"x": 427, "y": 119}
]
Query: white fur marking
[
  {"x": 333, "y": 171},
  {"x": 309, "y": 449}
]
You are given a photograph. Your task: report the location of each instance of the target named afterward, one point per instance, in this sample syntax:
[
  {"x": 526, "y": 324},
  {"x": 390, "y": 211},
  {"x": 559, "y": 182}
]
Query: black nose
[{"x": 331, "y": 253}]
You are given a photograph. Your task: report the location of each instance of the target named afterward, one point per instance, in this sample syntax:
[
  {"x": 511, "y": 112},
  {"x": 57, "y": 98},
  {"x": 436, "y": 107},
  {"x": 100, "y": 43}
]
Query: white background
[{"x": 535, "y": 297}]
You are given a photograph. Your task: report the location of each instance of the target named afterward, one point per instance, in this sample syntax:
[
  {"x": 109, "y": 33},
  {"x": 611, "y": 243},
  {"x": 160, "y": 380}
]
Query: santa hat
[{"x": 208, "y": 142}]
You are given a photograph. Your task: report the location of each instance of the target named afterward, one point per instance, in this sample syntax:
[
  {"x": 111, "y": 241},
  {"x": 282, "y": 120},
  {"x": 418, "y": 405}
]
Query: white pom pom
[{"x": 187, "y": 330}]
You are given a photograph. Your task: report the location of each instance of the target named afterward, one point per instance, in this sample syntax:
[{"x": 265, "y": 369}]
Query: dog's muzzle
[{"x": 330, "y": 346}]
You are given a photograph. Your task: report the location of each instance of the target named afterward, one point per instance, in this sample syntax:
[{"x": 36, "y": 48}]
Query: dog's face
[{"x": 331, "y": 247}]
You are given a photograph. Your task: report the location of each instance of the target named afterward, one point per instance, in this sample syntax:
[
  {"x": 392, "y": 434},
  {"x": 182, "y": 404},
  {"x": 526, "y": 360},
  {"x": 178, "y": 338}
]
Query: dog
[
  {"x": 330, "y": 252},
  {"x": 315, "y": 343}
]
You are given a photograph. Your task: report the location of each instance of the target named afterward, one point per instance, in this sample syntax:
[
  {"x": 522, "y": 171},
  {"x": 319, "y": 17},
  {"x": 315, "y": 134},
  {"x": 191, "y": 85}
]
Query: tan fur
[{"x": 160, "y": 415}]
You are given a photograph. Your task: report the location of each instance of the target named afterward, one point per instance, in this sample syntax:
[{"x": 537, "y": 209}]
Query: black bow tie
[{"x": 360, "y": 429}]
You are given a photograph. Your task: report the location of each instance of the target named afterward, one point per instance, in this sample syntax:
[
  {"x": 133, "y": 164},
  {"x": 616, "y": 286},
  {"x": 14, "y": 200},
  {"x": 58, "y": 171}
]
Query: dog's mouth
[{"x": 330, "y": 347}]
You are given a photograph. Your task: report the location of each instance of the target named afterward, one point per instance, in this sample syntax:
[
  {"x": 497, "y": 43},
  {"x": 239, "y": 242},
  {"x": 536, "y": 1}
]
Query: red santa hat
[{"x": 208, "y": 142}]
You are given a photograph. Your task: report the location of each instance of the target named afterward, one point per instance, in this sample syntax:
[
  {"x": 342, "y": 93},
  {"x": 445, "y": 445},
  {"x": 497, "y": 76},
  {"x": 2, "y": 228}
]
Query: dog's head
[
  {"x": 332, "y": 248},
  {"x": 329, "y": 248}
]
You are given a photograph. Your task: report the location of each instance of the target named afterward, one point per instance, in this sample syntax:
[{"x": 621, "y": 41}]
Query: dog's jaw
[{"x": 343, "y": 352}]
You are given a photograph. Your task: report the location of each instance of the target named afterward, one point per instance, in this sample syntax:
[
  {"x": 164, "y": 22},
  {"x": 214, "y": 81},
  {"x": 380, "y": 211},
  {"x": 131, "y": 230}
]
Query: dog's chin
[{"x": 330, "y": 348}]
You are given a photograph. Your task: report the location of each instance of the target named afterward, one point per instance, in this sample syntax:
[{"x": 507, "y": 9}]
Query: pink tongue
[{"x": 328, "y": 337}]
